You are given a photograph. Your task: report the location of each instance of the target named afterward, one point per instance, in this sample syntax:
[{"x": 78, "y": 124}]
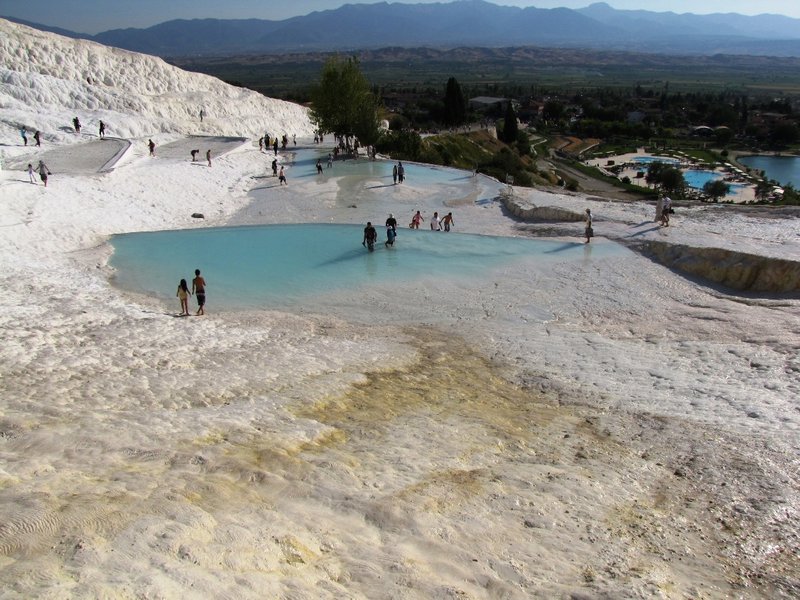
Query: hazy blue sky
[{"x": 92, "y": 16}]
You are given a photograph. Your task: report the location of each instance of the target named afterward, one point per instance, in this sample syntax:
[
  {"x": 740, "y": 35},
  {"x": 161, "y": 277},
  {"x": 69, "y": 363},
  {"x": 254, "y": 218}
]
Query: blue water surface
[
  {"x": 305, "y": 161},
  {"x": 646, "y": 160},
  {"x": 783, "y": 169},
  {"x": 697, "y": 178},
  {"x": 279, "y": 266}
]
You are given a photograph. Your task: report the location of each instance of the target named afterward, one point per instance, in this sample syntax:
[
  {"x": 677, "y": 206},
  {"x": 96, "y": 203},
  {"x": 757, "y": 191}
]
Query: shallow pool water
[
  {"x": 279, "y": 266},
  {"x": 305, "y": 161},
  {"x": 646, "y": 160}
]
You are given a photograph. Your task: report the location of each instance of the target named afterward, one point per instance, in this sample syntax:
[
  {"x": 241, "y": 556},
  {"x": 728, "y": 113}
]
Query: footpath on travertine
[{"x": 100, "y": 155}]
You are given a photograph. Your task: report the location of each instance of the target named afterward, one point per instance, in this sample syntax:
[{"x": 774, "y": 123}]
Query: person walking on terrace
[{"x": 43, "y": 172}]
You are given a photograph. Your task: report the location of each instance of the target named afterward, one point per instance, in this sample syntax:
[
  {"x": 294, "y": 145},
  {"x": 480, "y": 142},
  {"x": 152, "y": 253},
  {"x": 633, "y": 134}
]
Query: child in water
[{"x": 183, "y": 294}]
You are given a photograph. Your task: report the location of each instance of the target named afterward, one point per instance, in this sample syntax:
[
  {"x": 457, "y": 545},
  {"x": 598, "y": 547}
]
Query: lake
[{"x": 783, "y": 169}]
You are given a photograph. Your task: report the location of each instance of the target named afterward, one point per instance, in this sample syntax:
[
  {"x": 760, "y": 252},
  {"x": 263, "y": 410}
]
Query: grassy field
[{"x": 526, "y": 70}]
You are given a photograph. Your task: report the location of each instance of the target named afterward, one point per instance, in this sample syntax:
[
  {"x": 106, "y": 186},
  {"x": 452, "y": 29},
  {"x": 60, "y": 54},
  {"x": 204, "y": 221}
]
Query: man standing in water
[
  {"x": 391, "y": 230},
  {"x": 199, "y": 291},
  {"x": 370, "y": 235},
  {"x": 589, "y": 231}
]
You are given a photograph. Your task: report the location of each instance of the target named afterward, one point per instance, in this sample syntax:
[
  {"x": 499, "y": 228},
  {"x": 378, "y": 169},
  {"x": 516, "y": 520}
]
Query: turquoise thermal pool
[
  {"x": 305, "y": 160},
  {"x": 281, "y": 266}
]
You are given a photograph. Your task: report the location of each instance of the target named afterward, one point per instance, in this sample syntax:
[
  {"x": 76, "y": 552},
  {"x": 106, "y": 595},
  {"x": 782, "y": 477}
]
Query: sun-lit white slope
[{"x": 47, "y": 79}]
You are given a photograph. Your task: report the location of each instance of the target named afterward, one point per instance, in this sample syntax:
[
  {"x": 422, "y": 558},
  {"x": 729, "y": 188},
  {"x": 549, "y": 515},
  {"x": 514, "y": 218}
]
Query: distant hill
[{"x": 466, "y": 23}]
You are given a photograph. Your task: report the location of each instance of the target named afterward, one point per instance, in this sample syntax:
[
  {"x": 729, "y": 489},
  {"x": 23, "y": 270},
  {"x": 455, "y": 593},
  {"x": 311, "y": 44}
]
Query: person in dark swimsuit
[
  {"x": 370, "y": 236},
  {"x": 199, "y": 291}
]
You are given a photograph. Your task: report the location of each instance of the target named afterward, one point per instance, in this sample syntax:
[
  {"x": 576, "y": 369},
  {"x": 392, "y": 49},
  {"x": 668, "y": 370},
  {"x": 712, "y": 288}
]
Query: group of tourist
[
  {"x": 437, "y": 224},
  {"x": 195, "y": 152},
  {"x": 199, "y": 291},
  {"x": 264, "y": 142},
  {"x": 398, "y": 173},
  {"x": 42, "y": 170},
  {"x": 76, "y": 125},
  {"x": 37, "y": 136},
  {"x": 371, "y": 234}
]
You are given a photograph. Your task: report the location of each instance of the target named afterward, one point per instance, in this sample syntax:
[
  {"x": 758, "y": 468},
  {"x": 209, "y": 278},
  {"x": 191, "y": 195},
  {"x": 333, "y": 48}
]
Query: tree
[
  {"x": 343, "y": 103},
  {"x": 509, "y": 133},
  {"x": 654, "y": 172},
  {"x": 716, "y": 189},
  {"x": 400, "y": 144},
  {"x": 763, "y": 190},
  {"x": 723, "y": 135},
  {"x": 553, "y": 110},
  {"x": 785, "y": 134},
  {"x": 455, "y": 107},
  {"x": 672, "y": 181},
  {"x": 790, "y": 195},
  {"x": 667, "y": 177}
]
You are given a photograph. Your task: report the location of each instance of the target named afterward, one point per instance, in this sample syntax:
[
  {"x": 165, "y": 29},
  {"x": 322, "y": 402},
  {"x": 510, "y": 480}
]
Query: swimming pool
[
  {"x": 646, "y": 160},
  {"x": 697, "y": 178},
  {"x": 282, "y": 266}
]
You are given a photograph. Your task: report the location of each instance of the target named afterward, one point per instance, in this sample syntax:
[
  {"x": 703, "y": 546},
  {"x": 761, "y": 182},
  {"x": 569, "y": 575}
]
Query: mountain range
[{"x": 462, "y": 23}]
